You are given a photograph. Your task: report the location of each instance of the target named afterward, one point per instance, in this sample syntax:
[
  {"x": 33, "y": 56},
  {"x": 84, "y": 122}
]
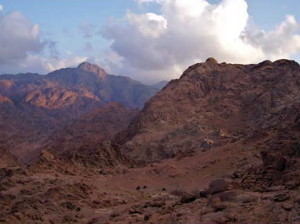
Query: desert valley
[{"x": 221, "y": 144}]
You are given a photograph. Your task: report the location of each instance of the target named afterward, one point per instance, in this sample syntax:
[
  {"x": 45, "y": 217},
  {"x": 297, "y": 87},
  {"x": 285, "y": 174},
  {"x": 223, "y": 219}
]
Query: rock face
[
  {"x": 34, "y": 106},
  {"x": 214, "y": 104}
]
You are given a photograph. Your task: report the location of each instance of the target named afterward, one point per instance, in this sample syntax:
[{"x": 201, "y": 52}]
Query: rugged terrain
[
  {"x": 34, "y": 107},
  {"x": 219, "y": 145},
  {"x": 212, "y": 105}
]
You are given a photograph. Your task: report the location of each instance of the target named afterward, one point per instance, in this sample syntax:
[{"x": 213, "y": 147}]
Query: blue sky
[
  {"x": 121, "y": 37},
  {"x": 269, "y": 13}
]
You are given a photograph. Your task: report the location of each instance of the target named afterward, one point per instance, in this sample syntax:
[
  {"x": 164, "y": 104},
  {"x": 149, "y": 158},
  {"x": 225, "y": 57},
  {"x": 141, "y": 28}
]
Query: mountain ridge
[
  {"x": 39, "y": 104},
  {"x": 213, "y": 102}
]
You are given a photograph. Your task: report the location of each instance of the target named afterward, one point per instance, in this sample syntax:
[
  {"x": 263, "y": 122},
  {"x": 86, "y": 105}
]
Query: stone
[
  {"x": 217, "y": 204},
  {"x": 287, "y": 206},
  {"x": 217, "y": 186},
  {"x": 226, "y": 196},
  {"x": 245, "y": 198},
  {"x": 280, "y": 197},
  {"x": 211, "y": 61},
  {"x": 188, "y": 198},
  {"x": 146, "y": 217},
  {"x": 277, "y": 162}
]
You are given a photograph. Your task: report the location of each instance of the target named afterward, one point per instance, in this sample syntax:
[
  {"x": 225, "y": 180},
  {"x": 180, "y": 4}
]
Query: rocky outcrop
[{"x": 214, "y": 104}]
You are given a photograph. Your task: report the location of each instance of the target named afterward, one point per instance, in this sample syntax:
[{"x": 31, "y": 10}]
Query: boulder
[{"x": 217, "y": 186}]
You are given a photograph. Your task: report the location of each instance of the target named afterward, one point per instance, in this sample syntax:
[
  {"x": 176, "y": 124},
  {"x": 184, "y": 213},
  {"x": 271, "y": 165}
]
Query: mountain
[
  {"x": 33, "y": 106},
  {"x": 219, "y": 145},
  {"x": 106, "y": 88},
  {"x": 212, "y": 105}
]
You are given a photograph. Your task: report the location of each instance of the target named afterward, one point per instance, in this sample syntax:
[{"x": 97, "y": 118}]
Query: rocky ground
[{"x": 239, "y": 185}]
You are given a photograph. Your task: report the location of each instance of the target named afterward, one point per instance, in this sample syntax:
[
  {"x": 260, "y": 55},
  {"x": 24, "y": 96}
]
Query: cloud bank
[{"x": 156, "y": 47}]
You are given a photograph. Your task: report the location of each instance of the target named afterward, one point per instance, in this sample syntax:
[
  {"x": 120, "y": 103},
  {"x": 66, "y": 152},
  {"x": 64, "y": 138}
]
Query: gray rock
[{"x": 217, "y": 186}]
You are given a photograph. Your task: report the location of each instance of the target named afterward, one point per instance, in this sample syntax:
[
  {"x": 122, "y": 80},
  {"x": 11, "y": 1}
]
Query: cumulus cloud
[
  {"x": 22, "y": 49},
  {"x": 39, "y": 64},
  {"x": 186, "y": 32},
  {"x": 55, "y": 64},
  {"x": 18, "y": 37},
  {"x": 281, "y": 42}
]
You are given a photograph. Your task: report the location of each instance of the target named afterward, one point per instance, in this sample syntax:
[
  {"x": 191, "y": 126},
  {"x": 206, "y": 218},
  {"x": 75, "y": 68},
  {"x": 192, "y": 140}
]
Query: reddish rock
[{"x": 213, "y": 105}]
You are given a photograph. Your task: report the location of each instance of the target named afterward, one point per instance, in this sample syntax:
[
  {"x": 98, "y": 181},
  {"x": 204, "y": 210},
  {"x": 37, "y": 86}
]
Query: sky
[{"x": 148, "y": 40}]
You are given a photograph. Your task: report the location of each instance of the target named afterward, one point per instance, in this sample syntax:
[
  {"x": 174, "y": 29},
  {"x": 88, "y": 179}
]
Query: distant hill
[
  {"x": 160, "y": 85},
  {"x": 32, "y": 106}
]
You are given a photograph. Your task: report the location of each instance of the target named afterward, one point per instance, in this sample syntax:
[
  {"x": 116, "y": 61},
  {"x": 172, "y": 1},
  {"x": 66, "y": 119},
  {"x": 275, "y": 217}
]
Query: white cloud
[
  {"x": 1, "y": 7},
  {"x": 38, "y": 64},
  {"x": 186, "y": 32},
  {"x": 18, "y": 37},
  {"x": 149, "y": 24},
  {"x": 55, "y": 64},
  {"x": 23, "y": 51},
  {"x": 45, "y": 65},
  {"x": 281, "y": 42}
]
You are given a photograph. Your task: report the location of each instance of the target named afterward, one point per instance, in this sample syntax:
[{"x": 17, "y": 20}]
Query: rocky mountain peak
[
  {"x": 213, "y": 103},
  {"x": 86, "y": 66},
  {"x": 211, "y": 61}
]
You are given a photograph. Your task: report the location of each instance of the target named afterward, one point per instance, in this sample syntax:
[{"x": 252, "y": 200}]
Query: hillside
[
  {"x": 87, "y": 132},
  {"x": 212, "y": 105}
]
